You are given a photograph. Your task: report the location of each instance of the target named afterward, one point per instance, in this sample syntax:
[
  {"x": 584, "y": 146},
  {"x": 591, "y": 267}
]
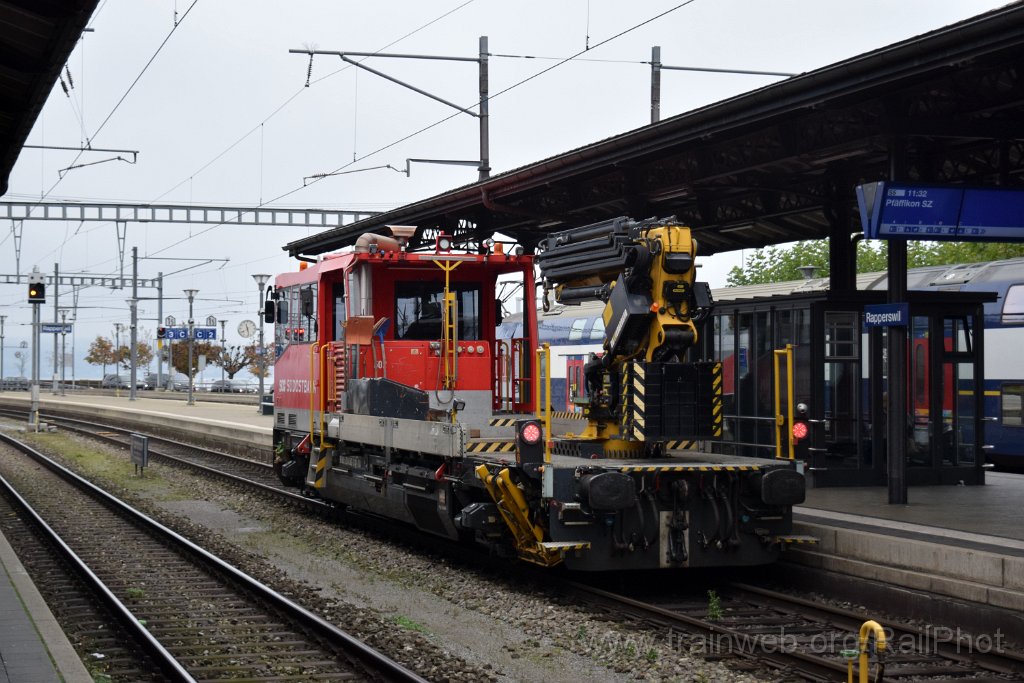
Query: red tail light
[{"x": 800, "y": 431}]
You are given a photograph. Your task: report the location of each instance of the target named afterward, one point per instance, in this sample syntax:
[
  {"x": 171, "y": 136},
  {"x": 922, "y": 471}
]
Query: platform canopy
[
  {"x": 36, "y": 39},
  {"x": 774, "y": 165}
]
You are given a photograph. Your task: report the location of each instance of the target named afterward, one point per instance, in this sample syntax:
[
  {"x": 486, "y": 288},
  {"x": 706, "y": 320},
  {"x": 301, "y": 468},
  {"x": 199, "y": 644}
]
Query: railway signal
[
  {"x": 37, "y": 292},
  {"x": 529, "y": 441}
]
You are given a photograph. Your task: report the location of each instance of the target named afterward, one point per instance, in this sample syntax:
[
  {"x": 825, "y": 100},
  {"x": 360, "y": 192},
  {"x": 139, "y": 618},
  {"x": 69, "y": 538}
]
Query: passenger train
[{"x": 576, "y": 331}]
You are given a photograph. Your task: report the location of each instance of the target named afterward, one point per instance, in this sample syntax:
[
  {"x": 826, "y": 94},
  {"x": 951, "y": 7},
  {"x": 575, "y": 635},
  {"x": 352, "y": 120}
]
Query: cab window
[
  {"x": 419, "y": 307},
  {"x": 296, "y": 320}
]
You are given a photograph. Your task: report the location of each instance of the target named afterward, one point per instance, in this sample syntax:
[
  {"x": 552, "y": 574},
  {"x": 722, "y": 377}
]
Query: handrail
[
  {"x": 780, "y": 419},
  {"x": 544, "y": 361},
  {"x": 312, "y": 387},
  {"x": 323, "y": 386},
  {"x": 502, "y": 375}
]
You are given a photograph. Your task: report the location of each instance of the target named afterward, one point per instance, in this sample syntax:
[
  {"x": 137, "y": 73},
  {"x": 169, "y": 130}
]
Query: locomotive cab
[{"x": 386, "y": 332}]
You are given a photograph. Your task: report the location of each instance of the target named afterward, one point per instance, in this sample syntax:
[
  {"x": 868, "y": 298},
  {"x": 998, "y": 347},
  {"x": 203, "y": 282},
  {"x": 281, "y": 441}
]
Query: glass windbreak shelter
[{"x": 835, "y": 370}]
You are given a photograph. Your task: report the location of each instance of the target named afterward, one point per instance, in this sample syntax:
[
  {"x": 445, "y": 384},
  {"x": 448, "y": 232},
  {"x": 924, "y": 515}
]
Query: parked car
[
  {"x": 15, "y": 383},
  {"x": 175, "y": 382},
  {"x": 228, "y": 386},
  {"x": 121, "y": 381}
]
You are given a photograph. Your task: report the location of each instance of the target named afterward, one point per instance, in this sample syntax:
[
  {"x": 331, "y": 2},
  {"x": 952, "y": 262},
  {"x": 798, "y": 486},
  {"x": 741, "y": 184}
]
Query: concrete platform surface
[
  {"x": 989, "y": 510},
  {"x": 33, "y": 648}
]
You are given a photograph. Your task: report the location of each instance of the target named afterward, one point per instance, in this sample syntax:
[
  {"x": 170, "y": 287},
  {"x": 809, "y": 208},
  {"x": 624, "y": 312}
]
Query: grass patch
[
  {"x": 408, "y": 624},
  {"x": 114, "y": 468},
  {"x": 714, "y": 606}
]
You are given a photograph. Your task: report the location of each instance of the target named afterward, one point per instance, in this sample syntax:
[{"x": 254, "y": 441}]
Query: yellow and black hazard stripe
[
  {"x": 684, "y": 445},
  {"x": 575, "y": 547},
  {"x": 555, "y": 414},
  {"x": 491, "y": 447},
  {"x": 639, "y": 400},
  {"x": 320, "y": 474},
  {"x": 716, "y": 400},
  {"x": 690, "y": 468},
  {"x": 797, "y": 540}
]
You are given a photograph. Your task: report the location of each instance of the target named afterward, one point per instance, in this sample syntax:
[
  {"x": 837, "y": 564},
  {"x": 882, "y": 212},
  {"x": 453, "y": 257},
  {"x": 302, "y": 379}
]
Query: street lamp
[
  {"x": 223, "y": 349},
  {"x": 133, "y": 305},
  {"x": 63, "y": 349},
  {"x": 191, "y": 294},
  {"x": 117, "y": 348},
  {"x": 2, "y": 319},
  {"x": 261, "y": 282}
]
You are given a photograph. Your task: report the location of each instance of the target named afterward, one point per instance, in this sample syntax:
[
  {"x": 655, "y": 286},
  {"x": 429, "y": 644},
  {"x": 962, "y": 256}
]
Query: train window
[
  {"x": 293, "y": 326},
  {"x": 280, "y": 328},
  {"x": 419, "y": 307},
  {"x": 1013, "y": 305},
  {"x": 576, "y": 329},
  {"x": 1010, "y": 408},
  {"x": 338, "y": 296},
  {"x": 307, "y": 312},
  {"x": 597, "y": 331},
  {"x": 553, "y": 330}
]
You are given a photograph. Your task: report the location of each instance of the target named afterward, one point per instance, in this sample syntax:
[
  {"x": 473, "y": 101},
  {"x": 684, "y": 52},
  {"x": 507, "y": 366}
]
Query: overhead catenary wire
[
  {"x": 298, "y": 92},
  {"x": 259, "y": 126},
  {"x": 110, "y": 115},
  {"x": 422, "y": 130},
  {"x": 403, "y": 138}
]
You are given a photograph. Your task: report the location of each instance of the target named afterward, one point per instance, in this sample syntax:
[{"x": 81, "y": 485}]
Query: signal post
[{"x": 36, "y": 296}]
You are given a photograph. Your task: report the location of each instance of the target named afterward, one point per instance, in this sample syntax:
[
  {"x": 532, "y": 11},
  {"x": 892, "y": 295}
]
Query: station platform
[
  {"x": 965, "y": 542},
  {"x": 239, "y": 424}
]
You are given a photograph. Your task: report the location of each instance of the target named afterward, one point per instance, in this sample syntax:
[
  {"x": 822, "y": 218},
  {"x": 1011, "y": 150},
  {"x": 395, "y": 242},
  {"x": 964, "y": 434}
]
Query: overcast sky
[{"x": 222, "y": 116}]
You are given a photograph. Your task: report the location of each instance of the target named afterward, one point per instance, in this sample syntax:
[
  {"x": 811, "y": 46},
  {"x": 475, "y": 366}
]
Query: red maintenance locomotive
[{"x": 394, "y": 395}]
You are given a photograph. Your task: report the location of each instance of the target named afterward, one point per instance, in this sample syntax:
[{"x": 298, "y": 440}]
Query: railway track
[
  {"x": 751, "y": 625},
  {"x": 180, "y": 610},
  {"x": 804, "y": 639}
]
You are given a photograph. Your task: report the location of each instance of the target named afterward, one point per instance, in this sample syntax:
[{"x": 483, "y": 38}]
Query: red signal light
[
  {"x": 800, "y": 431},
  {"x": 531, "y": 433}
]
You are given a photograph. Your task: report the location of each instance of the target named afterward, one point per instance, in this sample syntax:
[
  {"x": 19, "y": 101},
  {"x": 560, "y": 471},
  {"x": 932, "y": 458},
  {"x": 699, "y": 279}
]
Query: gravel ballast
[{"x": 447, "y": 621}]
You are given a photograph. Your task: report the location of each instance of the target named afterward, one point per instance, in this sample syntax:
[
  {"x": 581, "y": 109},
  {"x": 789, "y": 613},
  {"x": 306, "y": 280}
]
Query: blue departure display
[{"x": 896, "y": 211}]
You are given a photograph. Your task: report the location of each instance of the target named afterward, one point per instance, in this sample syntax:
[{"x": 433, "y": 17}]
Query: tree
[
  {"x": 180, "y": 360},
  {"x": 233, "y": 359},
  {"x": 259, "y": 365},
  {"x": 781, "y": 263},
  {"x": 143, "y": 355},
  {"x": 101, "y": 352}
]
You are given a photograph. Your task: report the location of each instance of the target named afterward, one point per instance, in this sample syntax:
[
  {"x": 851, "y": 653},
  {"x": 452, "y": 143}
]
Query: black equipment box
[{"x": 382, "y": 397}]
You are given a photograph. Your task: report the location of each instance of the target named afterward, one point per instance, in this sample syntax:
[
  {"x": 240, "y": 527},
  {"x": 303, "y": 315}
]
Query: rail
[
  {"x": 163, "y": 659},
  {"x": 392, "y": 670}
]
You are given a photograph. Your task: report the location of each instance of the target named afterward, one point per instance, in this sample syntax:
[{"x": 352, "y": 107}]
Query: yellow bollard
[{"x": 866, "y": 629}]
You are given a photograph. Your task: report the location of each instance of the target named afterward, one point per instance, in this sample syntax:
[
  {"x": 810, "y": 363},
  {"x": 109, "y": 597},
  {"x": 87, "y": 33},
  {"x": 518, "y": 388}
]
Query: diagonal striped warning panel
[
  {"x": 689, "y": 468},
  {"x": 320, "y": 475},
  {"x": 491, "y": 447}
]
